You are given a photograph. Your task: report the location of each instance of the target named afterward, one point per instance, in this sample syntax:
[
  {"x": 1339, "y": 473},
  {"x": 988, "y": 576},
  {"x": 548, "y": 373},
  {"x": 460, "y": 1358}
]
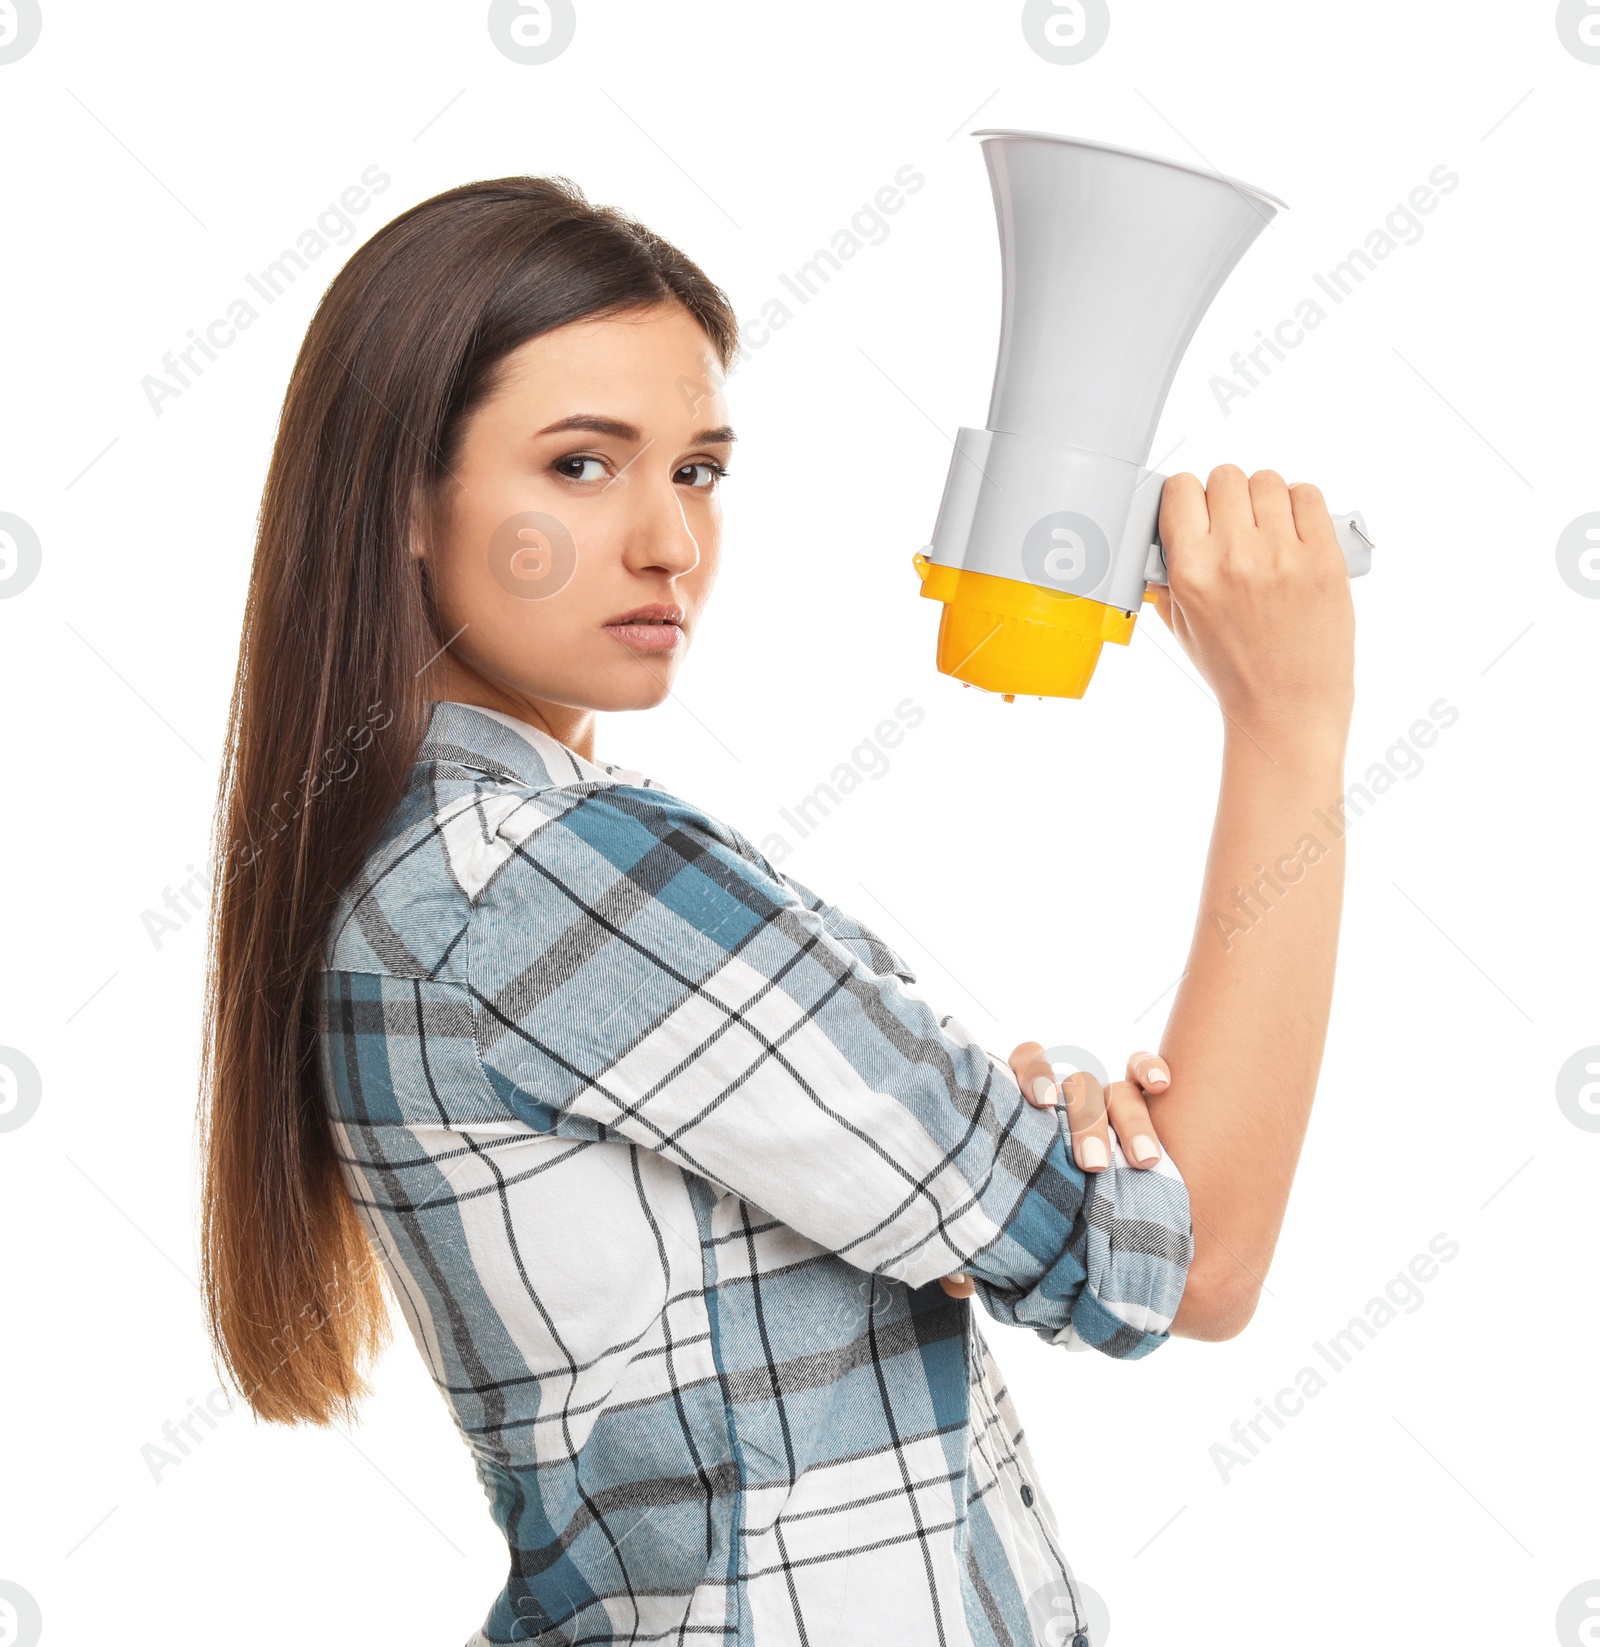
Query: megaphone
[{"x": 1047, "y": 532}]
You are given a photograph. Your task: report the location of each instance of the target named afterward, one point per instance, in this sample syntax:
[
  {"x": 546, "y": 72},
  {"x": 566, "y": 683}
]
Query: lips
[
  {"x": 655, "y": 612},
  {"x": 653, "y": 628}
]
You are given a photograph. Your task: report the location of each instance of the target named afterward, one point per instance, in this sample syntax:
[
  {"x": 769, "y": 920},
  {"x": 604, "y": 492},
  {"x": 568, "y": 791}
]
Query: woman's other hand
[{"x": 1092, "y": 1110}]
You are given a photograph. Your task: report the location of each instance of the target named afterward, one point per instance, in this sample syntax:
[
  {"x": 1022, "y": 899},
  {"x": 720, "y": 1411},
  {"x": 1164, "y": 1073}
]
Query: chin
[{"x": 631, "y": 691}]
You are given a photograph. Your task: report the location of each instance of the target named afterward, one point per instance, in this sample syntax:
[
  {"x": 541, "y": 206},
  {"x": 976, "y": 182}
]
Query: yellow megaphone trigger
[{"x": 1015, "y": 638}]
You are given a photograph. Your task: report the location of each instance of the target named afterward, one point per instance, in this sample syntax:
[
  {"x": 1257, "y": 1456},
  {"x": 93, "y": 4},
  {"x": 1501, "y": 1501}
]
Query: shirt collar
[{"x": 504, "y": 747}]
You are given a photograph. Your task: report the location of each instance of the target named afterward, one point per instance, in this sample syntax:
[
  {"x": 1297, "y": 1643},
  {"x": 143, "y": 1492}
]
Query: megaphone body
[{"x": 1047, "y": 532}]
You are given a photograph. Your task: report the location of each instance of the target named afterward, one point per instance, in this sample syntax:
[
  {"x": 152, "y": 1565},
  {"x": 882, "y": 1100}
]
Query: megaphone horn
[{"x": 1047, "y": 532}]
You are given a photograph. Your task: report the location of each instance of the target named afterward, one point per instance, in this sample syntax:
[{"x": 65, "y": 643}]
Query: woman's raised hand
[
  {"x": 1258, "y": 595},
  {"x": 1092, "y": 1110}
]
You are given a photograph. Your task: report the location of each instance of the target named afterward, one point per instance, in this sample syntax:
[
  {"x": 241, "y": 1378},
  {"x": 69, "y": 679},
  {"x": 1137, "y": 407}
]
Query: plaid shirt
[{"x": 664, "y": 1157}]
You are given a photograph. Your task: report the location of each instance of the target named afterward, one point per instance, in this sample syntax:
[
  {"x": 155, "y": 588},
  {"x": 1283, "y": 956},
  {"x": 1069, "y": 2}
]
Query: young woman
[{"x": 682, "y": 1187}]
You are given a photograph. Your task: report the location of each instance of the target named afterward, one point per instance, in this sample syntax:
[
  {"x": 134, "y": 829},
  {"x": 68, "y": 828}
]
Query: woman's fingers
[
  {"x": 1184, "y": 516},
  {"x": 1083, "y": 1096},
  {"x": 1130, "y": 1115},
  {"x": 1149, "y": 1070},
  {"x": 1086, "y": 1115},
  {"x": 1092, "y": 1110},
  {"x": 1269, "y": 499},
  {"x": 1228, "y": 502},
  {"x": 1034, "y": 1075}
]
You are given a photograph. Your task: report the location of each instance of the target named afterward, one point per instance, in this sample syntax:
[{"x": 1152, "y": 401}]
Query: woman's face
[{"x": 585, "y": 495}]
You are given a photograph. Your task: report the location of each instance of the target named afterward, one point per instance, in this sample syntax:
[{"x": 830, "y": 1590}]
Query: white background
[{"x": 1038, "y": 862}]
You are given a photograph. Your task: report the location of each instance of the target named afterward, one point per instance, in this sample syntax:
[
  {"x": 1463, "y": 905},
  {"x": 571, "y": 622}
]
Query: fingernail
[
  {"x": 1044, "y": 1090},
  {"x": 1145, "y": 1148},
  {"x": 1157, "y": 1075},
  {"x": 1092, "y": 1152}
]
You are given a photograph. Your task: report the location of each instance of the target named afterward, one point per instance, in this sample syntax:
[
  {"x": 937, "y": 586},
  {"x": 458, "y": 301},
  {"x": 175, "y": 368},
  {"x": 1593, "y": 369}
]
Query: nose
[{"x": 659, "y": 535}]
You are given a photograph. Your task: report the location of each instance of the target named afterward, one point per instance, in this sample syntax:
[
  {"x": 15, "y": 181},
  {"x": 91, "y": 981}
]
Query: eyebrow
[{"x": 618, "y": 430}]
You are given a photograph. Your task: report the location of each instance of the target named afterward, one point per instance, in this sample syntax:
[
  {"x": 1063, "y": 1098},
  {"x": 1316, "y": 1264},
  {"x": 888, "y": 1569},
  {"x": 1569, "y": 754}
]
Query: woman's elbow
[{"x": 1215, "y": 1307}]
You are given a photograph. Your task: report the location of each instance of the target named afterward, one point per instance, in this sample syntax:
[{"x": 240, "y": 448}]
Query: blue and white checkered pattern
[{"x": 664, "y": 1157}]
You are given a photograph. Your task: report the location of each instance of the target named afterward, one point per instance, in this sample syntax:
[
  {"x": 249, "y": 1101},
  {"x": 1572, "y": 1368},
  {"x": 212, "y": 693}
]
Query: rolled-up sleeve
[{"x": 639, "y": 971}]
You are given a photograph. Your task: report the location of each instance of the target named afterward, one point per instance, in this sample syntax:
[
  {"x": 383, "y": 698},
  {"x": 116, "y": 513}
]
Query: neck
[{"x": 448, "y": 679}]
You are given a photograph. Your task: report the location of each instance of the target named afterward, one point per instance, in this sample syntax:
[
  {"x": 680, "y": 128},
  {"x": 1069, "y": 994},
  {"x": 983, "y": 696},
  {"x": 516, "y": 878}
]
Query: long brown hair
[{"x": 328, "y": 712}]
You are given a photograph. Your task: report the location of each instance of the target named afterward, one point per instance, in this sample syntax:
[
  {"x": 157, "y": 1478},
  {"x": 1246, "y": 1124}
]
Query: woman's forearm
[{"x": 1245, "y": 1039}]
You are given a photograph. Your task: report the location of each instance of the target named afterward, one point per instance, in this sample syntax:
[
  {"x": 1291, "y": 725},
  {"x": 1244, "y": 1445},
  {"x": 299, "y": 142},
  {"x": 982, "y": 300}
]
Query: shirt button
[{"x": 1027, "y": 1494}]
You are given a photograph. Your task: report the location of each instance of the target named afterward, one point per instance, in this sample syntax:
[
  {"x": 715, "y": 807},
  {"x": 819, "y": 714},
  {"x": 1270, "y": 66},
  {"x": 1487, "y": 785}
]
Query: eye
[
  {"x": 716, "y": 472},
  {"x": 560, "y": 466}
]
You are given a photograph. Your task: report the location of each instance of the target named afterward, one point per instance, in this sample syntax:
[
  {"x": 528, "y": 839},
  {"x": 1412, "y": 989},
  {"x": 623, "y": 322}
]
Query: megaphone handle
[{"x": 1351, "y": 531}]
